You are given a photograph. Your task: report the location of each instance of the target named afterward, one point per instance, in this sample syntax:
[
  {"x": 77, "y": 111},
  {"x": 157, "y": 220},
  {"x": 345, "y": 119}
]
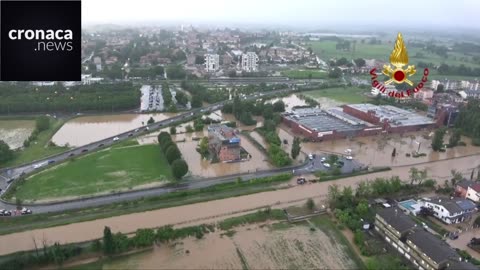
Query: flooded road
[
  {"x": 15, "y": 132},
  {"x": 213, "y": 210},
  {"x": 86, "y": 129},
  {"x": 377, "y": 150}
]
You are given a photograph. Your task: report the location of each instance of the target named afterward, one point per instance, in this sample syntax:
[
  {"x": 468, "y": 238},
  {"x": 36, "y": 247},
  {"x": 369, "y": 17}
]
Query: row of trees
[
  {"x": 173, "y": 155},
  {"x": 468, "y": 120},
  {"x": 6, "y": 154},
  {"x": 99, "y": 97},
  {"x": 461, "y": 70},
  {"x": 42, "y": 123},
  {"x": 147, "y": 73},
  {"x": 168, "y": 103}
]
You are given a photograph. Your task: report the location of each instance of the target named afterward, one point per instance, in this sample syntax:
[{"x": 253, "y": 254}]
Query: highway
[{"x": 8, "y": 175}]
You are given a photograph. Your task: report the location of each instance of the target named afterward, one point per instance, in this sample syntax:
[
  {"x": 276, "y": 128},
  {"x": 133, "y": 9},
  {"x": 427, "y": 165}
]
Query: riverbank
[{"x": 195, "y": 213}]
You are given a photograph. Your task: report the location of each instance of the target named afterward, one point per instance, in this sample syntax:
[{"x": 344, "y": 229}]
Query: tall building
[
  {"x": 250, "y": 62},
  {"x": 212, "y": 62}
]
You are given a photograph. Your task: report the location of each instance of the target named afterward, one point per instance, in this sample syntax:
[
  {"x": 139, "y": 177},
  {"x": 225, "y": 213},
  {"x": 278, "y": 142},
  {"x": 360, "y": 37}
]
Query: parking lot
[
  {"x": 319, "y": 162},
  {"x": 152, "y": 99}
]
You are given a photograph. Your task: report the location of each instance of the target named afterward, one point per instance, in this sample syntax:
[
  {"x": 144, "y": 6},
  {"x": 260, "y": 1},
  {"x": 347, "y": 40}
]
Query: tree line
[
  {"x": 467, "y": 120},
  {"x": 97, "y": 97},
  {"x": 173, "y": 155}
]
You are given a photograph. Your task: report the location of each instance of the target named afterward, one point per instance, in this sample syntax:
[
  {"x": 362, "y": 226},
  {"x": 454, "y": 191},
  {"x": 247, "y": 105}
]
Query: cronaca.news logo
[
  {"x": 396, "y": 73},
  {"x": 45, "y": 40}
]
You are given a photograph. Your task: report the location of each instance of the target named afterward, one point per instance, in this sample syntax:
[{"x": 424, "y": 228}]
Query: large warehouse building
[{"x": 353, "y": 120}]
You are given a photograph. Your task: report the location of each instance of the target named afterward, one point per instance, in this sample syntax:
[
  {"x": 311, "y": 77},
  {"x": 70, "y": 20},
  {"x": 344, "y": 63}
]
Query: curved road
[{"x": 8, "y": 175}]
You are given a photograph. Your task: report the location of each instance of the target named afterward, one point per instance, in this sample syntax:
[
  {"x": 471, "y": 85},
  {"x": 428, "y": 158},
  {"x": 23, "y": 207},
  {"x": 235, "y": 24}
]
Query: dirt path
[{"x": 204, "y": 212}]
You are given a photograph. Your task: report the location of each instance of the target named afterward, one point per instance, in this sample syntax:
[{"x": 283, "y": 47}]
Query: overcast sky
[{"x": 314, "y": 13}]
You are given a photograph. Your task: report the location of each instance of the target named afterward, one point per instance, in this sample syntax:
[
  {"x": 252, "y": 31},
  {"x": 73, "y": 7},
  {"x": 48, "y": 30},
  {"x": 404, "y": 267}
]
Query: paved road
[{"x": 11, "y": 174}]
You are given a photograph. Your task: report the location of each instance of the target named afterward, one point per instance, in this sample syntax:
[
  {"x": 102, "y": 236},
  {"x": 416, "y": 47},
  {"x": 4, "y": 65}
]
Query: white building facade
[
  {"x": 250, "y": 62},
  {"x": 212, "y": 62}
]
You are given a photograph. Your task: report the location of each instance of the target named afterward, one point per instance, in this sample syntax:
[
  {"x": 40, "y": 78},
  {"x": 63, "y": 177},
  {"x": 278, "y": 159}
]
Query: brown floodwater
[
  {"x": 206, "y": 211},
  {"x": 260, "y": 246},
  {"x": 86, "y": 129},
  {"x": 290, "y": 102},
  {"x": 377, "y": 150},
  {"x": 15, "y": 132}
]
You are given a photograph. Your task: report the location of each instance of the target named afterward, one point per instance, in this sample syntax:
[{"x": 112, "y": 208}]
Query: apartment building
[
  {"x": 212, "y": 62},
  {"x": 420, "y": 247},
  {"x": 250, "y": 62}
]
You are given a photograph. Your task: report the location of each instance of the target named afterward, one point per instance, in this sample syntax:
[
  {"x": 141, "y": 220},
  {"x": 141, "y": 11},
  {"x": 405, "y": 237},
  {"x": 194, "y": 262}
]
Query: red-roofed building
[{"x": 473, "y": 192}]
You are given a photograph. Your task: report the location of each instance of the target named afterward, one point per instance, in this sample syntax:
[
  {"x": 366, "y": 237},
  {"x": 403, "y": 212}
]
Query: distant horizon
[{"x": 305, "y": 14}]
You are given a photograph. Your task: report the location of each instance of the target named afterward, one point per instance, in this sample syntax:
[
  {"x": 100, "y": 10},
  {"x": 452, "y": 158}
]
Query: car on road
[
  {"x": 326, "y": 165},
  {"x": 136, "y": 130},
  {"x": 84, "y": 150},
  {"x": 323, "y": 159},
  {"x": 130, "y": 134},
  {"x": 116, "y": 139},
  {"x": 100, "y": 145},
  {"x": 147, "y": 128},
  {"x": 26, "y": 211},
  {"x": 51, "y": 161},
  {"x": 71, "y": 154},
  {"x": 310, "y": 156},
  {"x": 4, "y": 212},
  {"x": 349, "y": 157}
]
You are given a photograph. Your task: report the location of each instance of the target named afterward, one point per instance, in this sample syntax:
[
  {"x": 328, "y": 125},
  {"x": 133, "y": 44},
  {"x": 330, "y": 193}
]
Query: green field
[
  {"x": 346, "y": 95},
  {"x": 105, "y": 171},
  {"x": 304, "y": 74},
  {"x": 327, "y": 50}
]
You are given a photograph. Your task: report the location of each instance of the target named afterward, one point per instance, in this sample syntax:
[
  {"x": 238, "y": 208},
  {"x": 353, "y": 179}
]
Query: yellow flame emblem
[{"x": 398, "y": 59}]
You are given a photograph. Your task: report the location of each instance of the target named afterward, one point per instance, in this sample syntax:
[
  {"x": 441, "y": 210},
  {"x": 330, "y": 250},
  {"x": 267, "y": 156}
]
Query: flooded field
[
  {"x": 377, "y": 150},
  {"x": 290, "y": 102},
  {"x": 252, "y": 247},
  {"x": 87, "y": 129},
  {"x": 15, "y": 132},
  {"x": 207, "y": 212}
]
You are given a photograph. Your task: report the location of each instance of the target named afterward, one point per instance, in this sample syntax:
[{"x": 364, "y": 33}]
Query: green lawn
[
  {"x": 303, "y": 74},
  {"x": 40, "y": 147},
  {"x": 103, "y": 171},
  {"x": 327, "y": 50},
  {"x": 347, "y": 95}
]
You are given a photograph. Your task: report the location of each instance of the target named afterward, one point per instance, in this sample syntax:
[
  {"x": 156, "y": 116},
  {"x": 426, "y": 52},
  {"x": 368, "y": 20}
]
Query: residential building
[
  {"x": 250, "y": 62},
  {"x": 468, "y": 189},
  {"x": 227, "y": 59},
  {"x": 212, "y": 62},
  {"x": 224, "y": 143},
  {"x": 420, "y": 247},
  {"x": 191, "y": 59},
  {"x": 450, "y": 210}
]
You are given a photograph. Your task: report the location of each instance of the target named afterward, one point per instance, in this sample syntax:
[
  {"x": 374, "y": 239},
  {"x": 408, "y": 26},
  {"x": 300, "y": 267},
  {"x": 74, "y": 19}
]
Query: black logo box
[{"x": 19, "y": 59}]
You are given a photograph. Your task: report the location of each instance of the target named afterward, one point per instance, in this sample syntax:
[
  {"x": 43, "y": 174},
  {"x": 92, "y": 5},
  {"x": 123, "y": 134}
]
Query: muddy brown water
[
  {"x": 290, "y": 102},
  {"x": 15, "y": 132},
  {"x": 260, "y": 247},
  {"x": 87, "y": 129},
  {"x": 201, "y": 212}
]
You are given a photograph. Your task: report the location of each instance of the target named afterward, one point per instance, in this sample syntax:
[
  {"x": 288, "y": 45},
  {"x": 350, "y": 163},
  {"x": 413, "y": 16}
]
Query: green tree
[
  {"x": 165, "y": 233},
  {"x": 172, "y": 153},
  {"x": 203, "y": 146},
  {"x": 181, "y": 98},
  {"x": 173, "y": 130},
  {"x": 333, "y": 194},
  {"x": 151, "y": 121},
  {"x": 144, "y": 238},
  {"x": 296, "y": 147},
  {"x": 437, "y": 141},
  {"x": 310, "y": 204},
  {"x": 414, "y": 175},
  {"x": 189, "y": 129},
  {"x": 362, "y": 208},
  {"x": 456, "y": 177},
  {"x": 198, "y": 124},
  {"x": 42, "y": 123},
  {"x": 332, "y": 159},
  {"x": 6, "y": 154},
  {"x": 108, "y": 244},
  {"x": 18, "y": 203},
  {"x": 360, "y": 62},
  {"x": 455, "y": 138},
  {"x": 279, "y": 106},
  {"x": 335, "y": 73},
  {"x": 179, "y": 168}
]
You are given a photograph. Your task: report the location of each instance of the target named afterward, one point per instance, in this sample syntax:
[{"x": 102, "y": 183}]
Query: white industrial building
[
  {"x": 250, "y": 62},
  {"x": 212, "y": 62}
]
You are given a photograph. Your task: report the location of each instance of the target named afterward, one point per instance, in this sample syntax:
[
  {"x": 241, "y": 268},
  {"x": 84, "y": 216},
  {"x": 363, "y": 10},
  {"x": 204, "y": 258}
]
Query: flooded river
[
  {"x": 290, "y": 102},
  {"x": 15, "y": 132},
  {"x": 87, "y": 129},
  {"x": 207, "y": 211}
]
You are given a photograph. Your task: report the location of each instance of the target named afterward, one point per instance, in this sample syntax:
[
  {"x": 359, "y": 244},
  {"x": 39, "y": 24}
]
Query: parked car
[
  {"x": 301, "y": 181},
  {"x": 136, "y": 130},
  {"x": 116, "y": 139},
  {"x": 323, "y": 159},
  {"x": 84, "y": 150},
  {"x": 4, "y": 212},
  {"x": 349, "y": 157},
  {"x": 71, "y": 154},
  {"x": 26, "y": 211},
  {"x": 130, "y": 134},
  {"x": 310, "y": 156},
  {"x": 100, "y": 145},
  {"x": 327, "y": 165}
]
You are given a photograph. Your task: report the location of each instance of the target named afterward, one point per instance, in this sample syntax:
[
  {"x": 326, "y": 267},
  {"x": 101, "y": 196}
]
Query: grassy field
[
  {"x": 303, "y": 74},
  {"x": 327, "y": 50},
  {"x": 40, "y": 148},
  {"x": 103, "y": 171},
  {"x": 346, "y": 95}
]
